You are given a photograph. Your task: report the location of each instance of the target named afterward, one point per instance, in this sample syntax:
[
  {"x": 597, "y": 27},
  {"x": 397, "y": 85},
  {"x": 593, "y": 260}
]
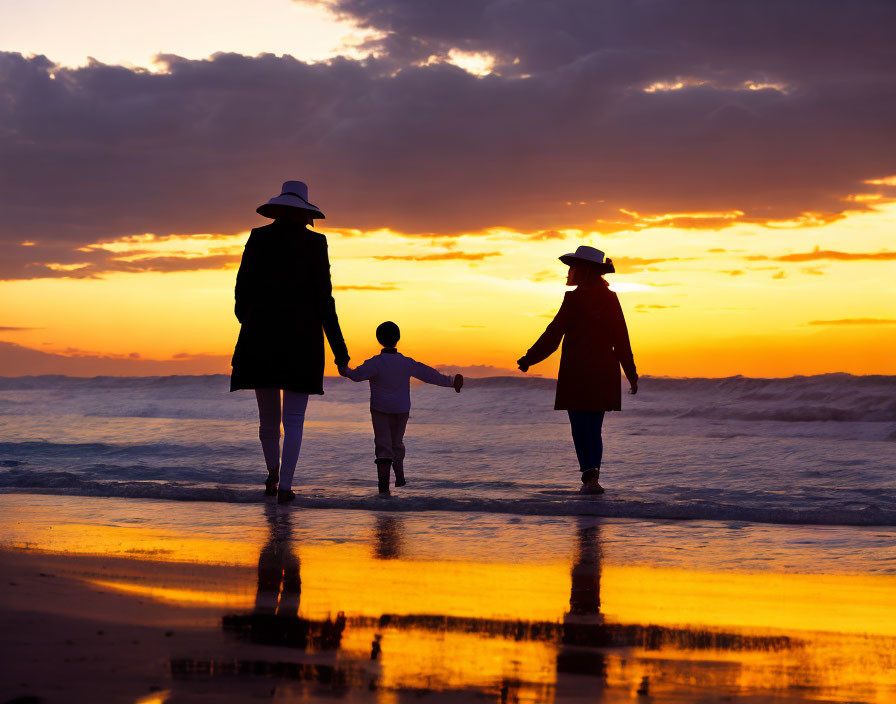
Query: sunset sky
[{"x": 736, "y": 160}]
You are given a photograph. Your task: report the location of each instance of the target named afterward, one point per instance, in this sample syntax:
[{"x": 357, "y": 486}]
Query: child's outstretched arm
[
  {"x": 431, "y": 376},
  {"x": 362, "y": 373}
]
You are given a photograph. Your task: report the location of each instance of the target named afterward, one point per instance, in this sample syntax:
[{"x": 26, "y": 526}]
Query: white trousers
[{"x": 271, "y": 412}]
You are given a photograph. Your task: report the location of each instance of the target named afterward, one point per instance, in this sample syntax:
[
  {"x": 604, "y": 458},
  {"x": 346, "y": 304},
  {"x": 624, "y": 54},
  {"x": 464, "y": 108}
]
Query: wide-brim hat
[
  {"x": 293, "y": 196},
  {"x": 591, "y": 256}
]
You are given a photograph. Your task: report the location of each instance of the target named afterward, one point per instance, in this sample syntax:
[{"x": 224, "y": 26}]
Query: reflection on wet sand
[
  {"x": 498, "y": 608},
  {"x": 275, "y": 619},
  {"x": 583, "y": 630},
  {"x": 515, "y": 660},
  {"x": 388, "y": 537}
]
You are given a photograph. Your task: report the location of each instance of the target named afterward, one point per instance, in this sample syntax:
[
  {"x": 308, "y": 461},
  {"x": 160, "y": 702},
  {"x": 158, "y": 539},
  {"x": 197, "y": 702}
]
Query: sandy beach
[{"x": 148, "y": 601}]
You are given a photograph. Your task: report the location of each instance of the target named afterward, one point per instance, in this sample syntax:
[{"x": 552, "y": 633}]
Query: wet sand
[{"x": 149, "y": 601}]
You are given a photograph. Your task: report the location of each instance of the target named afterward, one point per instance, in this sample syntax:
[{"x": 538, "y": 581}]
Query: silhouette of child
[{"x": 390, "y": 374}]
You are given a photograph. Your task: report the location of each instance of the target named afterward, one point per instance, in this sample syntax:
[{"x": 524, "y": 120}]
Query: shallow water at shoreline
[
  {"x": 457, "y": 606},
  {"x": 814, "y": 450}
]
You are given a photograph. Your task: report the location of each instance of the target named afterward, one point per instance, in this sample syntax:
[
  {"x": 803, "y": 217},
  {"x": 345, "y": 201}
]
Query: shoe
[
  {"x": 383, "y": 470},
  {"x": 270, "y": 484},
  {"x": 284, "y": 496},
  {"x": 399, "y": 476},
  {"x": 590, "y": 484}
]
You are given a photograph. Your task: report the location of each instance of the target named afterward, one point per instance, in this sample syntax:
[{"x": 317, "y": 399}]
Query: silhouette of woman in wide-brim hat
[
  {"x": 595, "y": 340},
  {"x": 284, "y": 302}
]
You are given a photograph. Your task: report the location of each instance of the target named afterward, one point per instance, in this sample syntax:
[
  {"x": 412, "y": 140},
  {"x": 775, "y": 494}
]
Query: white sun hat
[
  {"x": 591, "y": 255},
  {"x": 294, "y": 194}
]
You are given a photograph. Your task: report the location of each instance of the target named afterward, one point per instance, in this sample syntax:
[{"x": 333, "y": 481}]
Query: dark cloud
[
  {"x": 93, "y": 264},
  {"x": 438, "y": 257},
  {"x": 18, "y": 360},
  {"x": 821, "y": 39},
  {"x": 785, "y": 108},
  {"x": 855, "y": 321}
]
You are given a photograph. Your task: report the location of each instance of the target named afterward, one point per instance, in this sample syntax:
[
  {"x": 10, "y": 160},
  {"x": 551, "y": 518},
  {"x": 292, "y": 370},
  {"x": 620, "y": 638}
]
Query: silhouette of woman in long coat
[
  {"x": 595, "y": 342},
  {"x": 284, "y": 302}
]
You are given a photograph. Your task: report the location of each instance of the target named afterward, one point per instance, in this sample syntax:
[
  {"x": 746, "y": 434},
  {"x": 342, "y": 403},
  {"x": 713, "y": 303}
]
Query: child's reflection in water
[{"x": 388, "y": 538}]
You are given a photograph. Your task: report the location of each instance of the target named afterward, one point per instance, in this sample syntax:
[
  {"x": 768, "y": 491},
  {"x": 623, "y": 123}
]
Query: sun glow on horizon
[{"x": 699, "y": 302}]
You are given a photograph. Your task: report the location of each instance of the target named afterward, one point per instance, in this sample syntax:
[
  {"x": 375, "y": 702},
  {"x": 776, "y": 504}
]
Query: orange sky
[
  {"x": 698, "y": 302},
  {"x": 744, "y": 186}
]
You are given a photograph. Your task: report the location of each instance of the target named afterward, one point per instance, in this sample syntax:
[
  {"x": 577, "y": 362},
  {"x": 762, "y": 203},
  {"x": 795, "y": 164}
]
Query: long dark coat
[
  {"x": 595, "y": 342},
  {"x": 284, "y": 302}
]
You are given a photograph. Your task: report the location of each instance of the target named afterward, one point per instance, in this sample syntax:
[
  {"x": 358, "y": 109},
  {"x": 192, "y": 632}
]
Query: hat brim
[
  {"x": 603, "y": 267},
  {"x": 277, "y": 210}
]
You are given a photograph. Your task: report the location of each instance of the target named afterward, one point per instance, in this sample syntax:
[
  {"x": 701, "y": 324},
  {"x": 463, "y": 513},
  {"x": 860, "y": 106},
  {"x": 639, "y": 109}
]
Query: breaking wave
[{"x": 871, "y": 511}]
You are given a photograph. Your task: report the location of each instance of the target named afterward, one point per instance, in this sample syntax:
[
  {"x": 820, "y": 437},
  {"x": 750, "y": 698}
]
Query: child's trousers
[{"x": 388, "y": 435}]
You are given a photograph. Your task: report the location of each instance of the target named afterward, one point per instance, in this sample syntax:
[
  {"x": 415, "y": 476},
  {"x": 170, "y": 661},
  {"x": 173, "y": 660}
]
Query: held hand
[
  {"x": 343, "y": 370},
  {"x": 522, "y": 365},
  {"x": 458, "y": 382}
]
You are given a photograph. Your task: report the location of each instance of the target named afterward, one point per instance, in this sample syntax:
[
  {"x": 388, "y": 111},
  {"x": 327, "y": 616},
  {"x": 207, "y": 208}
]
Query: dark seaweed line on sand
[{"x": 572, "y": 505}]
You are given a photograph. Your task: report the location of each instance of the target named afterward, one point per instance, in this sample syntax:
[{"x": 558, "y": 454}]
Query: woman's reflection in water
[
  {"x": 279, "y": 579},
  {"x": 583, "y": 625},
  {"x": 275, "y": 619},
  {"x": 388, "y": 538}
]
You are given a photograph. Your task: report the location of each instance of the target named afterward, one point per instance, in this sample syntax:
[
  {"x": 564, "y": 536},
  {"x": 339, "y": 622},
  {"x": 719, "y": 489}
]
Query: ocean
[{"x": 804, "y": 450}]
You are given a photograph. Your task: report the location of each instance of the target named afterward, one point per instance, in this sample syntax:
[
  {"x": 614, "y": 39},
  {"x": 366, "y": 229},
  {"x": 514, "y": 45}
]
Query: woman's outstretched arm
[{"x": 550, "y": 339}]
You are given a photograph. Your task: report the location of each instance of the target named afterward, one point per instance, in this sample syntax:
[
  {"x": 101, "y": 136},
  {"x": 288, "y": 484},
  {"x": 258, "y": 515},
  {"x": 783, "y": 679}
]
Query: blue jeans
[{"x": 586, "y": 427}]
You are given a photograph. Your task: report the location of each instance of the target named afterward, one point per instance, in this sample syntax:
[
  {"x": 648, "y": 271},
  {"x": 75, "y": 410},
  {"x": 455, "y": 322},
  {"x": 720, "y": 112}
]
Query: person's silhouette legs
[
  {"x": 269, "y": 433},
  {"x": 388, "y": 438},
  {"x": 270, "y": 414},
  {"x": 397, "y": 425},
  {"x": 294, "y": 405},
  {"x": 586, "y": 436}
]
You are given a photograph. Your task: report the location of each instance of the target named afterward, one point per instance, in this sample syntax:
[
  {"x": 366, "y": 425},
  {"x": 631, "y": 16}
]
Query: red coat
[{"x": 595, "y": 342}]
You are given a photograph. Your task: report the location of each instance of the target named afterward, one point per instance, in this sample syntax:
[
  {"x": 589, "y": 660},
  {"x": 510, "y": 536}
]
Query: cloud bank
[{"x": 694, "y": 112}]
